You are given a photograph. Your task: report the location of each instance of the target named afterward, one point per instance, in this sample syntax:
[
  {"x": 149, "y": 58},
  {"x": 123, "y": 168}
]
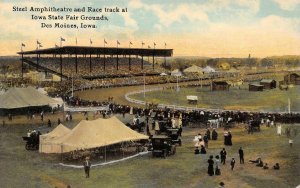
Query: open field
[
  {"x": 21, "y": 168},
  {"x": 274, "y": 100}
]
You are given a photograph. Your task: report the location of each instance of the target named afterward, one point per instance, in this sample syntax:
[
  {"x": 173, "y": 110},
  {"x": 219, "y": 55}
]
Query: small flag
[
  {"x": 56, "y": 46},
  {"x": 37, "y": 42},
  {"x": 91, "y": 42},
  {"x": 149, "y": 46},
  {"x": 40, "y": 46},
  {"x": 154, "y": 43},
  {"x": 143, "y": 43},
  {"x": 23, "y": 44},
  {"x": 105, "y": 41},
  {"x": 165, "y": 44},
  {"x": 118, "y": 42},
  {"x": 62, "y": 39},
  {"x": 130, "y": 43}
]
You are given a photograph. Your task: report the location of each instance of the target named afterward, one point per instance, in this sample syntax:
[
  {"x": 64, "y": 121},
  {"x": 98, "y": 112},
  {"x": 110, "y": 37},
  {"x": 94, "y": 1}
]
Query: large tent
[
  {"x": 193, "y": 69},
  {"x": 208, "y": 69},
  {"x": 15, "y": 98},
  {"x": 46, "y": 140},
  {"x": 94, "y": 134},
  {"x": 176, "y": 72}
]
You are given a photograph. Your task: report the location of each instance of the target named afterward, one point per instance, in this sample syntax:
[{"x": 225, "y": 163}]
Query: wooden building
[
  {"x": 220, "y": 86},
  {"x": 268, "y": 83},
  {"x": 292, "y": 78},
  {"x": 256, "y": 87}
]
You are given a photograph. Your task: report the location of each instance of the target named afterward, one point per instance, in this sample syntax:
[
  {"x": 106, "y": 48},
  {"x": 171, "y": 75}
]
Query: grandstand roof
[{"x": 80, "y": 50}]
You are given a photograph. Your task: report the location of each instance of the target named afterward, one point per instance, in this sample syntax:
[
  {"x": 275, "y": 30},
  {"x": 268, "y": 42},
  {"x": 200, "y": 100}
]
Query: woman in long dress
[
  {"x": 279, "y": 130},
  {"x": 210, "y": 162}
]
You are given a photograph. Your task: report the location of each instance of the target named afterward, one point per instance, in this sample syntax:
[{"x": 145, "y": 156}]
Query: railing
[
  {"x": 186, "y": 108},
  {"x": 85, "y": 109}
]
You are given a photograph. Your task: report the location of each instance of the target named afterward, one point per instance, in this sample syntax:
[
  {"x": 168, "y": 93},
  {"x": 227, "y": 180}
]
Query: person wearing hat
[
  {"x": 221, "y": 185},
  {"x": 87, "y": 166},
  {"x": 232, "y": 163},
  {"x": 210, "y": 162}
]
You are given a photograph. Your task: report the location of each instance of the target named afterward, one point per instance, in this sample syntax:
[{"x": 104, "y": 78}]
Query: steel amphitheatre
[{"x": 126, "y": 111}]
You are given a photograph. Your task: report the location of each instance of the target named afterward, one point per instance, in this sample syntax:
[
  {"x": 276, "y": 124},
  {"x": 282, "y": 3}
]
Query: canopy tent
[
  {"x": 24, "y": 97},
  {"x": 176, "y": 72},
  {"x": 96, "y": 133},
  {"x": 47, "y": 139},
  {"x": 192, "y": 97},
  {"x": 193, "y": 69},
  {"x": 208, "y": 69}
]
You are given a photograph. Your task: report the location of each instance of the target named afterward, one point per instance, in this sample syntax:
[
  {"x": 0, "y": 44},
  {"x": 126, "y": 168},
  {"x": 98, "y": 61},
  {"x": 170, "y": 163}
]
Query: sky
[{"x": 208, "y": 28}]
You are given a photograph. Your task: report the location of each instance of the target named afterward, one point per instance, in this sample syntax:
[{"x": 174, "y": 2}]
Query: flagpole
[
  {"x": 144, "y": 86},
  {"x": 289, "y": 105},
  {"x": 60, "y": 41}
]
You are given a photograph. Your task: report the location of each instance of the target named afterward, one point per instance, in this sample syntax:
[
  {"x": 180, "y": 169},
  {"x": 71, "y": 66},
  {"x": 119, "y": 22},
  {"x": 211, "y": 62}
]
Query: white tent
[
  {"x": 24, "y": 97},
  {"x": 193, "y": 69},
  {"x": 96, "y": 133},
  {"x": 208, "y": 69},
  {"x": 176, "y": 72},
  {"x": 46, "y": 140}
]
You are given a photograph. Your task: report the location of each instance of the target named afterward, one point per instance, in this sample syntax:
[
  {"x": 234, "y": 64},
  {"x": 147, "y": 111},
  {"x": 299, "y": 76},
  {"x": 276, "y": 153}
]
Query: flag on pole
[
  {"x": 40, "y": 46},
  {"x": 149, "y": 46},
  {"x": 130, "y": 43},
  {"x": 62, "y": 39},
  {"x": 105, "y": 41},
  {"x": 91, "y": 42},
  {"x": 118, "y": 42},
  {"x": 23, "y": 45},
  {"x": 165, "y": 44},
  {"x": 154, "y": 43},
  {"x": 76, "y": 41},
  {"x": 56, "y": 46},
  {"x": 143, "y": 43},
  {"x": 37, "y": 42}
]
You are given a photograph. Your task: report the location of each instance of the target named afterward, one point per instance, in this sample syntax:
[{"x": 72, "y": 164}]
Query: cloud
[{"x": 287, "y": 4}]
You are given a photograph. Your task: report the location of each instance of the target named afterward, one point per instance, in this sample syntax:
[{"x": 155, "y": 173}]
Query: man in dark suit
[
  {"x": 241, "y": 154},
  {"x": 87, "y": 166},
  {"x": 223, "y": 154}
]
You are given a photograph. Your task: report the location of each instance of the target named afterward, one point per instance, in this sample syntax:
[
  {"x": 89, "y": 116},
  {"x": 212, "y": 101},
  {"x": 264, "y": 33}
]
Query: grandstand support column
[
  {"x": 129, "y": 63},
  {"x": 37, "y": 61},
  {"x": 117, "y": 61},
  {"x": 60, "y": 59},
  {"x": 90, "y": 63},
  {"x": 153, "y": 62},
  {"x": 76, "y": 63},
  {"x": 22, "y": 60},
  {"x": 142, "y": 65},
  {"x": 104, "y": 63}
]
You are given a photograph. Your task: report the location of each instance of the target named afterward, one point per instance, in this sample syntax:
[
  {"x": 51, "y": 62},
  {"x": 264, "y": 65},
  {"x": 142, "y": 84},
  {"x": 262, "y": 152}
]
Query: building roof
[
  {"x": 87, "y": 50},
  {"x": 266, "y": 81},
  {"x": 256, "y": 85},
  {"x": 221, "y": 83}
]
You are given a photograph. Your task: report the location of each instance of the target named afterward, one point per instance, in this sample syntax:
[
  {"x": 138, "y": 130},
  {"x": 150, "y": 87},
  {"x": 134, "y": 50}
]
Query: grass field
[
  {"x": 21, "y": 168},
  {"x": 274, "y": 100}
]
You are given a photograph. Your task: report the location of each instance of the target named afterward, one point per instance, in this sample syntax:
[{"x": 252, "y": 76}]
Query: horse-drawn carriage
[
  {"x": 253, "y": 126},
  {"x": 174, "y": 134},
  {"x": 162, "y": 146},
  {"x": 138, "y": 127},
  {"x": 33, "y": 141}
]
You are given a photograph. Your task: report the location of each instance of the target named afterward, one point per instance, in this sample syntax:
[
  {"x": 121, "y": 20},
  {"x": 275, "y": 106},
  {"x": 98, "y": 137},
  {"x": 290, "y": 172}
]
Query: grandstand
[{"x": 94, "y": 62}]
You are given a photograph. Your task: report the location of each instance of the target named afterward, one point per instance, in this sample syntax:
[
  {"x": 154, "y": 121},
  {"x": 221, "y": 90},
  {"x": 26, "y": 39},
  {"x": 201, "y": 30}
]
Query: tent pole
[
  {"x": 61, "y": 151},
  {"x": 105, "y": 153}
]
